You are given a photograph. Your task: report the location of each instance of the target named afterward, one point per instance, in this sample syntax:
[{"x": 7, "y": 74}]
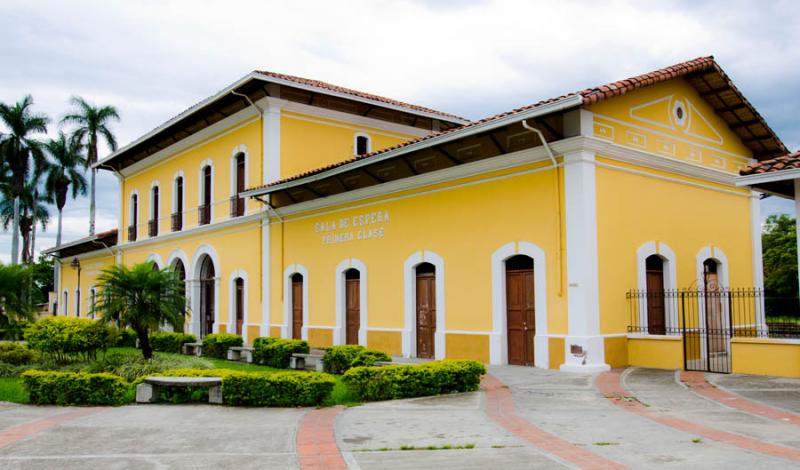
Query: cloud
[{"x": 152, "y": 59}]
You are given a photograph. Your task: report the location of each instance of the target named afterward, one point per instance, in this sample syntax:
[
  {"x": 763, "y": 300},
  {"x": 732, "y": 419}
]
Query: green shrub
[
  {"x": 12, "y": 330},
  {"x": 67, "y": 339},
  {"x": 16, "y": 354},
  {"x": 368, "y": 358},
  {"x": 75, "y": 388},
  {"x": 339, "y": 359},
  {"x": 267, "y": 389},
  {"x": 170, "y": 342},
  {"x": 126, "y": 338},
  {"x": 277, "y": 389},
  {"x": 216, "y": 345},
  {"x": 275, "y": 352},
  {"x": 407, "y": 381},
  {"x": 132, "y": 367},
  {"x": 11, "y": 370}
]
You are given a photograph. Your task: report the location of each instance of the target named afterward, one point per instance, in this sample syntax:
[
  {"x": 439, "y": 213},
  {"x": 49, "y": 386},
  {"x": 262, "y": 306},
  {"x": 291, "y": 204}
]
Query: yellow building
[{"x": 297, "y": 208}]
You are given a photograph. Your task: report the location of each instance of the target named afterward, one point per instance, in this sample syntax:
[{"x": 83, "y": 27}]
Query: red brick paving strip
[
  {"x": 697, "y": 382},
  {"x": 609, "y": 383},
  {"x": 316, "y": 442},
  {"x": 21, "y": 431},
  {"x": 500, "y": 408}
]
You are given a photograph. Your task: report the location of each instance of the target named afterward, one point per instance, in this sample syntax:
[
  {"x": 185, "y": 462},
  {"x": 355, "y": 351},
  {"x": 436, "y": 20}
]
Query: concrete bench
[
  {"x": 241, "y": 353},
  {"x": 147, "y": 391},
  {"x": 192, "y": 349},
  {"x": 303, "y": 361}
]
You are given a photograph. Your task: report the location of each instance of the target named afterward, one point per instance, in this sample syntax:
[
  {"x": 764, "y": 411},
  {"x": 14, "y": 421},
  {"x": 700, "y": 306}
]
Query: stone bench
[
  {"x": 147, "y": 391},
  {"x": 241, "y": 353},
  {"x": 192, "y": 349},
  {"x": 303, "y": 361}
]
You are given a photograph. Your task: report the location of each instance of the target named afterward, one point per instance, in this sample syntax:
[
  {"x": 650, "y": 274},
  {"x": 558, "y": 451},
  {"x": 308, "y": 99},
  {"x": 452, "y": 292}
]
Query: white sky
[{"x": 152, "y": 59}]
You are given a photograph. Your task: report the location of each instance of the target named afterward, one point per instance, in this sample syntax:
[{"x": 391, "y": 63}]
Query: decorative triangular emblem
[
  {"x": 698, "y": 126},
  {"x": 656, "y": 112}
]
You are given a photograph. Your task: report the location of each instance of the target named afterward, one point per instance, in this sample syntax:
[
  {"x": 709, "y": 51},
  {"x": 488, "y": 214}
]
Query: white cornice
[
  {"x": 570, "y": 145},
  {"x": 194, "y": 231}
]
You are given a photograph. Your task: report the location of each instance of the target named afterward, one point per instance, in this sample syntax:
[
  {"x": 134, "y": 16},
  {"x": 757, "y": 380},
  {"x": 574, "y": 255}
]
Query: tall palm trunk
[
  {"x": 15, "y": 233},
  {"x": 33, "y": 226},
  {"x": 91, "y": 205},
  {"x": 58, "y": 234}
]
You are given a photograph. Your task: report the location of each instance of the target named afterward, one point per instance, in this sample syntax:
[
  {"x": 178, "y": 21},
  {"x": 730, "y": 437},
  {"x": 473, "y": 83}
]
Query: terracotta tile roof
[
  {"x": 85, "y": 245},
  {"x": 784, "y": 162},
  {"x": 356, "y": 93},
  {"x": 590, "y": 96}
]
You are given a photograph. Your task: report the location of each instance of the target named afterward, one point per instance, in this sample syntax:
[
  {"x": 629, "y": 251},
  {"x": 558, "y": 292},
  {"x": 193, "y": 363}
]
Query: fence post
[{"x": 683, "y": 326}]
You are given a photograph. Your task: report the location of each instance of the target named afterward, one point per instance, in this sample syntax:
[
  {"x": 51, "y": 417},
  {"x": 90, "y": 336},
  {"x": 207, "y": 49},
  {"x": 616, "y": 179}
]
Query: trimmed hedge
[
  {"x": 275, "y": 352},
  {"x": 65, "y": 339},
  {"x": 170, "y": 342},
  {"x": 266, "y": 389},
  {"x": 408, "y": 381},
  {"x": 216, "y": 345},
  {"x": 340, "y": 359},
  {"x": 16, "y": 354},
  {"x": 75, "y": 388}
]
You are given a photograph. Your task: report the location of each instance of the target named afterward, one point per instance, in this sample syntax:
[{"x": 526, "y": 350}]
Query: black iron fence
[{"x": 708, "y": 319}]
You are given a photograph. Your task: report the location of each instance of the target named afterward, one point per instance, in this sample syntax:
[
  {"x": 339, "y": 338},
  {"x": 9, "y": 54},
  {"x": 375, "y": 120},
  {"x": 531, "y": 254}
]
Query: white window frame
[
  {"x": 200, "y": 190},
  {"x": 340, "y": 330},
  {"x": 174, "y": 195},
  {"x": 236, "y": 274},
  {"x": 667, "y": 255},
  {"x": 409, "y": 335},
  {"x": 236, "y": 151},
  {"x": 286, "y": 328},
  {"x": 355, "y": 142}
]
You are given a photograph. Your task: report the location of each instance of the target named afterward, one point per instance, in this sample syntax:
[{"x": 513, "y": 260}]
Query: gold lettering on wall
[{"x": 364, "y": 226}]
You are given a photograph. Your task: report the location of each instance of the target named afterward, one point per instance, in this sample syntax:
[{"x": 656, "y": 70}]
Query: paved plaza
[{"x": 521, "y": 418}]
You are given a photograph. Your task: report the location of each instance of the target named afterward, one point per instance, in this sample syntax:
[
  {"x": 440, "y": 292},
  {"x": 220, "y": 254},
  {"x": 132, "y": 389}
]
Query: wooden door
[
  {"x": 426, "y": 315},
  {"x": 715, "y": 324},
  {"x": 352, "y": 310},
  {"x": 656, "y": 324},
  {"x": 207, "y": 306},
  {"x": 520, "y": 314},
  {"x": 239, "y": 305},
  {"x": 297, "y": 307}
]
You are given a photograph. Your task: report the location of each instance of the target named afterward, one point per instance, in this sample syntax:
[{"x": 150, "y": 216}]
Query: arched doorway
[
  {"x": 297, "y": 305},
  {"x": 207, "y": 295},
  {"x": 656, "y": 312},
  {"x": 520, "y": 311},
  {"x": 425, "y": 301},
  {"x": 715, "y": 321},
  {"x": 238, "y": 303},
  {"x": 352, "y": 305}
]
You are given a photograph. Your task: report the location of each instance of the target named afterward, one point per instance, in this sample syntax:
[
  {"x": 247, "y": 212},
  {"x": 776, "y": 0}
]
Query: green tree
[
  {"x": 90, "y": 123},
  {"x": 42, "y": 274},
  {"x": 779, "y": 242},
  {"x": 31, "y": 207},
  {"x": 63, "y": 175},
  {"x": 15, "y": 302},
  {"x": 21, "y": 153},
  {"x": 143, "y": 299}
]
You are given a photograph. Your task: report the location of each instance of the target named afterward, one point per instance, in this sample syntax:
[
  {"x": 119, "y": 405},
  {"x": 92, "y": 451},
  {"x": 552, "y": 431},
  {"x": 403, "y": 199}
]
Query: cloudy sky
[{"x": 474, "y": 58}]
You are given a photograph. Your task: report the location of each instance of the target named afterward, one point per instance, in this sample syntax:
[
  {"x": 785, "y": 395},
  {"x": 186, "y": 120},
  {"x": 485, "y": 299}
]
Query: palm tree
[
  {"x": 63, "y": 173},
  {"x": 32, "y": 207},
  {"x": 143, "y": 299},
  {"x": 91, "y": 122},
  {"x": 19, "y": 150},
  {"x": 14, "y": 299}
]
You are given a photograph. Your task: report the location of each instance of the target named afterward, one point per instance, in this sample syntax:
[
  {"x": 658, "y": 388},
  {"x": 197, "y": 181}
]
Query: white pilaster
[
  {"x": 584, "y": 345},
  {"x": 265, "y": 266},
  {"x": 271, "y": 132},
  {"x": 758, "y": 264}
]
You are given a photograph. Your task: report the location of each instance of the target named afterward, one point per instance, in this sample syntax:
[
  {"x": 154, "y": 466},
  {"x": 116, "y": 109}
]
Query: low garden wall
[
  {"x": 766, "y": 356},
  {"x": 655, "y": 351}
]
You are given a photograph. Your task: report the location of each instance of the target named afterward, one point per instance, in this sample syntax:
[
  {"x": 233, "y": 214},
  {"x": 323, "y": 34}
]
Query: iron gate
[{"x": 707, "y": 320}]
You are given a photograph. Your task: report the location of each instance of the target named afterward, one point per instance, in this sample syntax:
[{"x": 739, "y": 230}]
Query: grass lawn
[{"x": 11, "y": 388}]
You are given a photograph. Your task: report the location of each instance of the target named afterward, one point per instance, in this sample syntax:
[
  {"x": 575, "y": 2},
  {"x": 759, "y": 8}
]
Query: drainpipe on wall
[{"x": 555, "y": 166}]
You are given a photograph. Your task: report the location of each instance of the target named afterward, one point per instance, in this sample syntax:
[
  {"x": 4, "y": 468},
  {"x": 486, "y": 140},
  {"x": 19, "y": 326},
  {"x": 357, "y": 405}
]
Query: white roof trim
[
  {"x": 564, "y": 103},
  {"x": 770, "y": 177},
  {"x": 265, "y": 78}
]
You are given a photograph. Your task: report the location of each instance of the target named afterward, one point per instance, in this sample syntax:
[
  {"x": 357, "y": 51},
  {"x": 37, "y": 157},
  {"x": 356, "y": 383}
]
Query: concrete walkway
[{"x": 522, "y": 418}]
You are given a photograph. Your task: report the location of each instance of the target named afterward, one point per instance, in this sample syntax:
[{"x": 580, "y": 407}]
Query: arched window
[
  {"x": 238, "y": 303},
  {"x": 77, "y": 303},
  {"x": 656, "y": 305},
  {"x": 363, "y": 144},
  {"x": 152, "y": 225},
  {"x": 177, "y": 206},
  {"x": 92, "y": 302},
  {"x": 132, "y": 229},
  {"x": 65, "y": 305},
  {"x": 204, "y": 209},
  {"x": 238, "y": 185},
  {"x": 352, "y": 305},
  {"x": 520, "y": 310}
]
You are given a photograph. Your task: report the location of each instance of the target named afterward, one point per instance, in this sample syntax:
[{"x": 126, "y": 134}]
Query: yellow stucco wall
[
  {"x": 657, "y": 352},
  {"x": 762, "y": 356},
  {"x": 91, "y": 267},
  {"x": 460, "y": 221},
  {"x": 616, "y": 351},
  {"x": 309, "y": 142}
]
